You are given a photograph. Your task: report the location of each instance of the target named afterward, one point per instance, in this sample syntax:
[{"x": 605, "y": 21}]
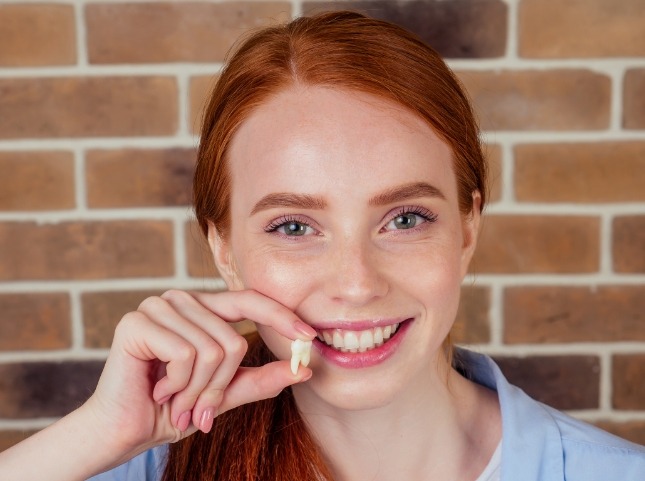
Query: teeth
[
  {"x": 300, "y": 354},
  {"x": 358, "y": 341}
]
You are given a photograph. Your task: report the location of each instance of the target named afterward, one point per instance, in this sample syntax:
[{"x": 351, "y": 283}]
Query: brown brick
[
  {"x": 37, "y": 35},
  {"x": 594, "y": 28},
  {"x": 45, "y": 389},
  {"x": 572, "y": 172},
  {"x": 494, "y": 156},
  {"x": 86, "y": 250},
  {"x": 628, "y": 373},
  {"x": 87, "y": 106},
  {"x": 10, "y": 437},
  {"x": 633, "y": 431},
  {"x": 37, "y": 181},
  {"x": 627, "y": 244},
  {"x": 200, "y": 89},
  {"x": 546, "y": 314},
  {"x": 634, "y": 99},
  {"x": 472, "y": 325},
  {"x": 200, "y": 258},
  {"x": 139, "y": 177},
  {"x": 35, "y": 321},
  {"x": 102, "y": 311},
  {"x": 456, "y": 29},
  {"x": 511, "y": 244},
  {"x": 173, "y": 32},
  {"x": 564, "y": 382},
  {"x": 540, "y": 100}
]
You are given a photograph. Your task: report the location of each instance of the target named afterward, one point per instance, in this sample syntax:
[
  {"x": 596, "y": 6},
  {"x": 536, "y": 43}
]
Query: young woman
[{"x": 340, "y": 183}]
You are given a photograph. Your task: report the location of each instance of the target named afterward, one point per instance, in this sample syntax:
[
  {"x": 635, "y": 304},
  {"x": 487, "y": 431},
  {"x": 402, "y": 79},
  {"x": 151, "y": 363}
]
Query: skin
[
  {"x": 174, "y": 362},
  {"x": 354, "y": 263}
]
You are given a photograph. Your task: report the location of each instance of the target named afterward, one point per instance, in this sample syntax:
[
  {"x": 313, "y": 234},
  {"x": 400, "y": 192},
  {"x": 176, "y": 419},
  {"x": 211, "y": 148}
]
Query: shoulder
[
  {"x": 540, "y": 443},
  {"x": 147, "y": 466}
]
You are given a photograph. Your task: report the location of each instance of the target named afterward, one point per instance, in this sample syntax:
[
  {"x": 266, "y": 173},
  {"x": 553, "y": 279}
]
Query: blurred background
[{"x": 100, "y": 104}]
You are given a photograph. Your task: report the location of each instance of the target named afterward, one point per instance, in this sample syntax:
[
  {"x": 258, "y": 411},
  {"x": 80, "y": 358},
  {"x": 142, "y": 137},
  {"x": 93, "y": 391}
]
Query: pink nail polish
[
  {"x": 305, "y": 329},
  {"x": 206, "y": 422},
  {"x": 164, "y": 399},
  {"x": 183, "y": 421}
]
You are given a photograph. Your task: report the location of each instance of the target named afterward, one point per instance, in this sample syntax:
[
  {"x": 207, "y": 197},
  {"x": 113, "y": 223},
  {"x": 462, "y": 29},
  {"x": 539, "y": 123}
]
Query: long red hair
[{"x": 268, "y": 440}]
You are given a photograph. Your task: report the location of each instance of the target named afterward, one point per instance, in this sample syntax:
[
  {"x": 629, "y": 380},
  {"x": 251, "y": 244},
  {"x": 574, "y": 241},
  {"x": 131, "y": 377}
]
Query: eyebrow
[{"x": 306, "y": 201}]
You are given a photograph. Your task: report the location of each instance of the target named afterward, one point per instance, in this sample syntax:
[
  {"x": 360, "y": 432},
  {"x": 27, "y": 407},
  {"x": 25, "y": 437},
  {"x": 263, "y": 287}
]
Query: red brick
[
  {"x": 102, "y": 311},
  {"x": 200, "y": 89},
  {"x": 37, "y": 35},
  {"x": 552, "y": 314},
  {"x": 46, "y": 389},
  {"x": 633, "y": 431},
  {"x": 86, "y": 250},
  {"x": 87, "y": 106},
  {"x": 139, "y": 177},
  {"x": 628, "y": 372},
  {"x": 38, "y": 181},
  {"x": 511, "y": 244},
  {"x": 455, "y": 29},
  {"x": 593, "y": 28},
  {"x": 198, "y": 253},
  {"x": 627, "y": 244},
  {"x": 540, "y": 99},
  {"x": 634, "y": 99},
  {"x": 564, "y": 382},
  {"x": 573, "y": 172},
  {"x": 35, "y": 321},
  {"x": 173, "y": 32},
  {"x": 472, "y": 325}
]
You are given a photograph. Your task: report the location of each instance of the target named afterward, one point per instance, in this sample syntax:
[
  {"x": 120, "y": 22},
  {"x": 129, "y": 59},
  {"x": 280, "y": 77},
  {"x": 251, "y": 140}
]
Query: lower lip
[{"x": 357, "y": 360}]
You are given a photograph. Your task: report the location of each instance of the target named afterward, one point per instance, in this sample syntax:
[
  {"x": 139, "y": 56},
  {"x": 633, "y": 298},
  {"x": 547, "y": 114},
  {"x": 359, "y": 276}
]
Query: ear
[
  {"x": 470, "y": 232},
  {"x": 223, "y": 258}
]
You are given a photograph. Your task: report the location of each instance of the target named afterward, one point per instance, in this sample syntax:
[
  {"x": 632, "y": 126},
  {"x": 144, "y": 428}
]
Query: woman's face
[{"x": 344, "y": 209}]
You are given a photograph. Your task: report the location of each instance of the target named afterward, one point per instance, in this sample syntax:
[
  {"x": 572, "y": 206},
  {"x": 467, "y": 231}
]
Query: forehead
[{"x": 324, "y": 141}]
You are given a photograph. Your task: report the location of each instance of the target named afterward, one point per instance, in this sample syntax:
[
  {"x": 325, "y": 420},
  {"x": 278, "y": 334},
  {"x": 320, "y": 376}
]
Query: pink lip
[
  {"x": 358, "y": 325},
  {"x": 357, "y": 360}
]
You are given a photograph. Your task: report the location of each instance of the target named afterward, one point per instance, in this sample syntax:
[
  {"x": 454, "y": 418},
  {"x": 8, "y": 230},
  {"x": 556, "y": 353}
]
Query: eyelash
[{"x": 428, "y": 216}]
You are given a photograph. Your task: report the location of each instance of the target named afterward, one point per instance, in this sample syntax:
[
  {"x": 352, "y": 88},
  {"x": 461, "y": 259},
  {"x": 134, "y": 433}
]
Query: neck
[{"x": 447, "y": 428}]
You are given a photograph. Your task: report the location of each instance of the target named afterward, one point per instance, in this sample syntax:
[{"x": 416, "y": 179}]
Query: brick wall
[{"x": 99, "y": 104}]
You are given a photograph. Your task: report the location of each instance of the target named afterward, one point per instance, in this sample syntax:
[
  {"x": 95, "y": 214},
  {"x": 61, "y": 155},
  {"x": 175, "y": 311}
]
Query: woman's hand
[{"x": 174, "y": 366}]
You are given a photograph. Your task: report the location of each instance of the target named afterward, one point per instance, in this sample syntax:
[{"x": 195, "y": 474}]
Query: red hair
[{"x": 267, "y": 440}]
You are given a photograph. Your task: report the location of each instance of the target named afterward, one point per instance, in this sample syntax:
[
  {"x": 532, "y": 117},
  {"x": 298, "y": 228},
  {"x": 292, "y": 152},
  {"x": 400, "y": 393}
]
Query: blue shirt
[{"x": 539, "y": 443}]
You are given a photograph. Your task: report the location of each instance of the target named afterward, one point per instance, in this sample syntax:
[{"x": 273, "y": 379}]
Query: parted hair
[{"x": 268, "y": 440}]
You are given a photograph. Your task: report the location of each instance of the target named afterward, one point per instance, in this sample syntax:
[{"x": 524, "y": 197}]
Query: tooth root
[{"x": 300, "y": 354}]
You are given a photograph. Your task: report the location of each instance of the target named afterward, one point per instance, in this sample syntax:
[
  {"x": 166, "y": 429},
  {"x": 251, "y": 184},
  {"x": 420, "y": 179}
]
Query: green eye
[
  {"x": 294, "y": 229},
  {"x": 405, "y": 221}
]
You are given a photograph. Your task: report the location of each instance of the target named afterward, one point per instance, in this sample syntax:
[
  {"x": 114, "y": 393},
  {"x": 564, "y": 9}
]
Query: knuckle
[
  {"x": 129, "y": 321},
  {"x": 152, "y": 303},
  {"x": 212, "y": 354},
  {"x": 238, "y": 346},
  {"x": 176, "y": 296},
  {"x": 185, "y": 353}
]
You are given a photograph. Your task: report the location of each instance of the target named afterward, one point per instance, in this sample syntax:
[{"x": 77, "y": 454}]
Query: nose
[{"x": 355, "y": 274}]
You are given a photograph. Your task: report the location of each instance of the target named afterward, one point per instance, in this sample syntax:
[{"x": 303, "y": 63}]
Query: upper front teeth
[
  {"x": 300, "y": 354},
  {"x": 357, "y": 341}
]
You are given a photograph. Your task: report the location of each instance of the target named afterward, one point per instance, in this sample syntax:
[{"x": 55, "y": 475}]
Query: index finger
[{"x": 235, "y": 306}]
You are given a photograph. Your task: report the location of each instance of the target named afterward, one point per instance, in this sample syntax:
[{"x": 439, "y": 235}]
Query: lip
[{"x": 358, "y": 360}]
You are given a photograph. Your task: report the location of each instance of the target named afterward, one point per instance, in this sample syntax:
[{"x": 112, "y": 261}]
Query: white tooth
[
  {"x": 387, "y": 332},
  {"x": 328, "y": 338},
  {"x": 366, "y": 340},
  {"x": 320, "y": 337},
  {"x": 300, "y": 353},
  {"x": 338, "y": 340},
  {"x": 378, "y": 336},
  {"x": 394, "y": 328},
  {"x": 351, "y": 340}
]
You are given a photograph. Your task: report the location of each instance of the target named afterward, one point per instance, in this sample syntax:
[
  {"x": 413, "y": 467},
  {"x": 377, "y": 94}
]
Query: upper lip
[{"x": 357, "y": 325}]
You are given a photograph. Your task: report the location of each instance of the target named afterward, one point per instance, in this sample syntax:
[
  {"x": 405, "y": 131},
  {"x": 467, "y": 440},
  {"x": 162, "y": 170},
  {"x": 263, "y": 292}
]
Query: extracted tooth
[{"x": 300, "y": 354}]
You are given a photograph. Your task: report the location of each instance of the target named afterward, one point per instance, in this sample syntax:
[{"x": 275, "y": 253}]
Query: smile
[{"x": 344, "y": 340}]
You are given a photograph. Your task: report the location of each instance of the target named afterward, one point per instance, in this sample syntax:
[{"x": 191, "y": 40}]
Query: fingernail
[
  {"x": 305, "y": 329},
  {"x": 183, "y": 421},
  {"x": 164, "y": 399},
  {"x": 206, "y": 422}
]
